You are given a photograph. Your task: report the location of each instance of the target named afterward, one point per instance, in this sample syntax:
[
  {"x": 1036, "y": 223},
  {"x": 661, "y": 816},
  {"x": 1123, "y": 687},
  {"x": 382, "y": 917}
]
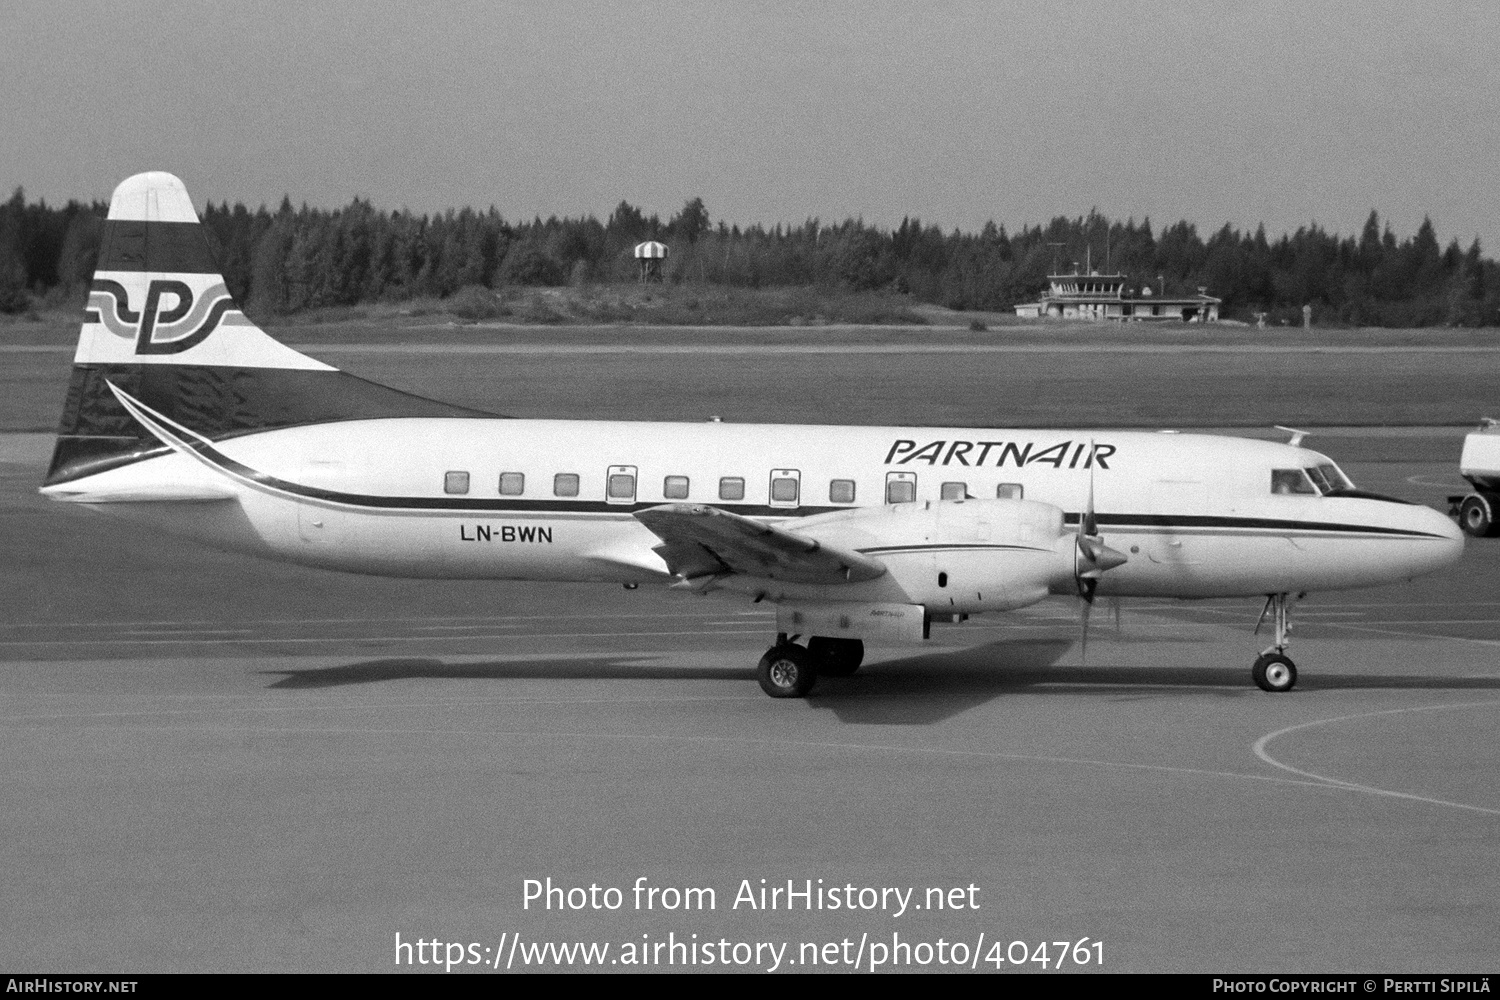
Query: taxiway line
[{"x": 1260, "y": 751}]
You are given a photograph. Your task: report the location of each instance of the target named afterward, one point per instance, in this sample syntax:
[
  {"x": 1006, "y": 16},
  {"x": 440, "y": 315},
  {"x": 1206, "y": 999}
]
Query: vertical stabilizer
[
  {"x": 157, "y": 297},
  {"x": 161, "y": 326}
]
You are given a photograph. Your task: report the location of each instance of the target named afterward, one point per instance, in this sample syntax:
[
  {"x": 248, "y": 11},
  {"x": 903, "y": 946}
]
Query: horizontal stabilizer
[
  {"x": 158, "y": 493},
  {"x": 703, "y": 541},
  {"x": 634, "y": 558}
]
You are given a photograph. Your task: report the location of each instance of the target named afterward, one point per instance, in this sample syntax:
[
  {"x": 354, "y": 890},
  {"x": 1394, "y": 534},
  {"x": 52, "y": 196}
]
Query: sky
[{"x": 957, "y": 113}]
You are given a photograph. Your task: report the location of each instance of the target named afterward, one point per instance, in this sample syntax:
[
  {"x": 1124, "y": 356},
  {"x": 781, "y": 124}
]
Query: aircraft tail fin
[
  {"x": 157, "y": 295},
  {"x": 162, "y": 326}
]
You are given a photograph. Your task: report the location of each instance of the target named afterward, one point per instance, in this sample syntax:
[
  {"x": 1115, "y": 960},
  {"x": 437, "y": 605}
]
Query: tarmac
[{"x": 213, "y": 763}]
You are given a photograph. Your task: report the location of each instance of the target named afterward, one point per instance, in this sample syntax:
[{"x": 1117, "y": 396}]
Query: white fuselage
[{"x": 1196, "y": 515}]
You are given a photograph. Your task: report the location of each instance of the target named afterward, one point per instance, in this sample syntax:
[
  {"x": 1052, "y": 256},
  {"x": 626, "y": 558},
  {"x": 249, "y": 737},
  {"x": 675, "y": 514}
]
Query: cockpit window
[
  {"x": 1336, "y": 477},
  {"x": 1285, "y": 482},
  {"x": 1329, "y": 479}
]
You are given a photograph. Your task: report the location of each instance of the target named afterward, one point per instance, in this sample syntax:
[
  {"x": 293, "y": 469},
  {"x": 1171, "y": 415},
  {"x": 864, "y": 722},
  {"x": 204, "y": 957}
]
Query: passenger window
[
  {"x": 512, "y": 484},
  {"x": 619, "y": 484},
  {"x": 1010, "y": 491},
  {"x": 841, "y": 491},
  {"x": 786, "y": 487},
  {"x": 675, "y": 488},
  {"x": 731, "y": 488},
  {"x": 565, "y": 484},
  {"x": 456, "y": 482},
  {"x": 900, "y": 487},
  {"x": 1285, "y": 482},
  {"x": 954, "y": 491}
]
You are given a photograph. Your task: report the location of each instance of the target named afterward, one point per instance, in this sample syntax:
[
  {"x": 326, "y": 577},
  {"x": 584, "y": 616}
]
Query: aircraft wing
[{"x": 699, "y": 541}]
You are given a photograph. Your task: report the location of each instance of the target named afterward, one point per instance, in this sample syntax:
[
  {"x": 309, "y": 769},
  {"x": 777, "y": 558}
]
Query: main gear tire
[{"x": 787, "y": 671}]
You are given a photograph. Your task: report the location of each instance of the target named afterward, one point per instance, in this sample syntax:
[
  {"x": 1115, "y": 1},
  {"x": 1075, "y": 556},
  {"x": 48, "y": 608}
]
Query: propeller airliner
[{"x": 185, "y": 416}]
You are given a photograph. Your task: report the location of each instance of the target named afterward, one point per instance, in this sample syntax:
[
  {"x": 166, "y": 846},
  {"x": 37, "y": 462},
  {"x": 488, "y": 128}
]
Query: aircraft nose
[{"x": 1447, "y": 539}]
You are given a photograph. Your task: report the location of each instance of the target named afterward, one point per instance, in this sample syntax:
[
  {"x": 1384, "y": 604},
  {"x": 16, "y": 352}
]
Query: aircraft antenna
[{"x": 1297, "y": 436}]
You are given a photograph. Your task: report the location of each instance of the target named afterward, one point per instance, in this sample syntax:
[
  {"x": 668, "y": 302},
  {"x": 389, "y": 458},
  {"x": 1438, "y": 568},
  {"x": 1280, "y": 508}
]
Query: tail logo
[{"x": 172, "y": 320}]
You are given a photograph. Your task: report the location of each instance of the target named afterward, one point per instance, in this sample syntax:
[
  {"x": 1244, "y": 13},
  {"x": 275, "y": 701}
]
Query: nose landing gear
[{"x": 1274, "y": 670}]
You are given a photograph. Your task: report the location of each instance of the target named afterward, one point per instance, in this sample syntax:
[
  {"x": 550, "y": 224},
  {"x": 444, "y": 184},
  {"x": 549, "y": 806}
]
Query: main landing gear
[
  {"x": 789, "y": 670},
  {"x": 1273, "y": 669}
]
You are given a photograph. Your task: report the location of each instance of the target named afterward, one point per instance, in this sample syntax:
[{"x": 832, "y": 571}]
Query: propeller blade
[
  {"x": 1088, "y": 606},
  {"x": 1092, "y": 559},
  {"x": 1087, "y": 524}
]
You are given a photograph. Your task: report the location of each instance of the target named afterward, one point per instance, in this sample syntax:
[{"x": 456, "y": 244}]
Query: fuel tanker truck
[{"x": 1477, "y": 512}]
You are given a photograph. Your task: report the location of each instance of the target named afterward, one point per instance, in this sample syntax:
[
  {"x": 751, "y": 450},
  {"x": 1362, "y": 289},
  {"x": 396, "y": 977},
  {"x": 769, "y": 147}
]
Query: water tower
[{"x": 648, "y": 256}]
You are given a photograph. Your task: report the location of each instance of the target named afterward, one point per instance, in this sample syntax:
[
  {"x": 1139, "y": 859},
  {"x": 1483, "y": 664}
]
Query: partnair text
[{"x": 1063, "y": 454}]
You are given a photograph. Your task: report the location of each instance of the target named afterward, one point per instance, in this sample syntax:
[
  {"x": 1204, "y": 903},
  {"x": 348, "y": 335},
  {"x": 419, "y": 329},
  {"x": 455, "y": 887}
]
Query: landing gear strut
[
  {"x": 1273, "y": 669},
  {"x": 787, "y": 670}
]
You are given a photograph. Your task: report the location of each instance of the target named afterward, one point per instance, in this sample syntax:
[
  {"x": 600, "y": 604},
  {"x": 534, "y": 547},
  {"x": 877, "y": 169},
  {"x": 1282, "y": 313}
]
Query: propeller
[{"x": 1092, "y": 558}]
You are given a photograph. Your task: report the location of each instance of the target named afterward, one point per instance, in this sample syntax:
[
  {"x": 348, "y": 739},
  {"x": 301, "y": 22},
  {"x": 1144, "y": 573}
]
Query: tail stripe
[
  {"x": 111, "y": 302},
  {"x": 170, "y": 247}
]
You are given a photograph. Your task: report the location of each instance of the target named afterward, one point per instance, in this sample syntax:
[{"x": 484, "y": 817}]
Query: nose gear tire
[{"x": 1274, "y": 672}]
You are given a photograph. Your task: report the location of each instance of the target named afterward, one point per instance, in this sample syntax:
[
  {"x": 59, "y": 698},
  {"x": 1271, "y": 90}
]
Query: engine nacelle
[{"x": 958, "y": 556}]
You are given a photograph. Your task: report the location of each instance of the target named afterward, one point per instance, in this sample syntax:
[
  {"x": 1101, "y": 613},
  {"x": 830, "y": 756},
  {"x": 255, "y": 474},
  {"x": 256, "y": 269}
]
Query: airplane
[{"x": 183, "y": 415}]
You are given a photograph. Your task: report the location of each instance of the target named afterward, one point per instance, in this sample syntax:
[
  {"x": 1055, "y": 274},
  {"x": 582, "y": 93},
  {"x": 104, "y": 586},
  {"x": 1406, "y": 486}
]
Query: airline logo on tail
[
  {"x": 173, "y": 317},
  {"x": 157, "y": 296}
]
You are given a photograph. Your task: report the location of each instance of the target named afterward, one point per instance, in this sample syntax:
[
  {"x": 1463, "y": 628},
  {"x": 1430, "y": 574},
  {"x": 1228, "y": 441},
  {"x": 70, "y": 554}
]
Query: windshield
[
  {"x": 1285, "y": 482},
  {"x": 1329, "y": 478},
  {"x": 1326, "y": 479}
]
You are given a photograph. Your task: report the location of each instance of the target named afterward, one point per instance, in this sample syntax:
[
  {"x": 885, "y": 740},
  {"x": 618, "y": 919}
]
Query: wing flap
[{"x": 702, "y": 541}]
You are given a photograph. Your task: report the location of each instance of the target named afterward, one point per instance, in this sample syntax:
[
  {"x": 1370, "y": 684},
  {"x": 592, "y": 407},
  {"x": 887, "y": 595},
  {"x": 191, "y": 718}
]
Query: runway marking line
[
  {"x": 1304, "y": 779},
  {"x": 745, "y": 741},
  {"x": 1260, "y": 751}
]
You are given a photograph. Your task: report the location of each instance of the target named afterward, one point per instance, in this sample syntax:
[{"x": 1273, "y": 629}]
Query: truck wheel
[{"x": 1476, "y": 515}]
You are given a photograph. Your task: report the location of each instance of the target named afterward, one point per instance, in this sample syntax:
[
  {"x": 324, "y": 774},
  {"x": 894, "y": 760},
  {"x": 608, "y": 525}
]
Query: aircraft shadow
[
  {"x": 623, "y": 666},
  {"x": 911, "y": 690},
  {"x": 918, "y": 690},
  {"x": 914, "y": 690}
]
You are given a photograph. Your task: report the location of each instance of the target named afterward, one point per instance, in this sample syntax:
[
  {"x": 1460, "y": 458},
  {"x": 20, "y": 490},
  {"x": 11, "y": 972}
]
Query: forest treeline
[{"x": 288, "y": 259}]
